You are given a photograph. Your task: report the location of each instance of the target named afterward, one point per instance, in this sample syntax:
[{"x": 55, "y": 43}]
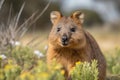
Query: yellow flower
[
  {"x": 8, "y": 67},
  {"x": 77, "y": 63},
  {"x": 27, "y": 75},
  {"x": 23, "y": 75},
  {"x": 43, "y": 74},
  {"x": 62, "y": 72},
  {"x": 57, "y": 67}
]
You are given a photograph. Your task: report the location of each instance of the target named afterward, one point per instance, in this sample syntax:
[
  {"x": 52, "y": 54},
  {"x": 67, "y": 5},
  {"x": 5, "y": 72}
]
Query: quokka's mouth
[{"x": 65, "y": 43}]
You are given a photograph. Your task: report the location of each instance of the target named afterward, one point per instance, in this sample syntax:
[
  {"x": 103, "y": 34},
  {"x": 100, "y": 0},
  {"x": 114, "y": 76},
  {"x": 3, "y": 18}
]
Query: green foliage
[
  {"x": 22, "y": 56},
  {"x": 10, "y": 71},
  {"x": 85, "y": 71},
  {"x": 42, "y": 72},
  {"x": 113, "y": 62},
  {"x": 23, "y": 64}
]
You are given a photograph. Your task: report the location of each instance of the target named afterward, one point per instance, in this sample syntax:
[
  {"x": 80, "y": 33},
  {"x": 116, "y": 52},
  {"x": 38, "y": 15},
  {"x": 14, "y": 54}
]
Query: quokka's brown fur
[{"x": 70, "y": 43}]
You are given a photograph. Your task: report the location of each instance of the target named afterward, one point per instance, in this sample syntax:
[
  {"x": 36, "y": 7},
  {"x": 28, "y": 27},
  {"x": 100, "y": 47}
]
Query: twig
[
  {"x": 35, "y": 38},
  {"x": 1, "y": 3},
  {"x": 18, "y": 16}
]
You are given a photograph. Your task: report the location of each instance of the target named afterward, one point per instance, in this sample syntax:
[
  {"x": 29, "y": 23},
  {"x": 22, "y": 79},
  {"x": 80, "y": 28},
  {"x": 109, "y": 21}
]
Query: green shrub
[
  {"x": 24, "y": 64},
  {"x": 22, "y": 56},
  {"x": 11, "y": 71},
  {"x": 113, "y": 62},
  {"x": 85, "y": 71}
]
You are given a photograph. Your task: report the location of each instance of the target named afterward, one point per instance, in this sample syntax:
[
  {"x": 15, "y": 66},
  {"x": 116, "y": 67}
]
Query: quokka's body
[{"x": 70, "y": 43}]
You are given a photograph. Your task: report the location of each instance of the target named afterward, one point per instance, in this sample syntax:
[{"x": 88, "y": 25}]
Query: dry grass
[
  {"x": 13, "y": 31},
  {"x": 107, "y": 40}
]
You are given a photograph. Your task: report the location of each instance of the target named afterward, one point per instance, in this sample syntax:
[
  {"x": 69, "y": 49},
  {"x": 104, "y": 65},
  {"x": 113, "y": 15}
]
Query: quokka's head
[{"x": 67, "y": 31}]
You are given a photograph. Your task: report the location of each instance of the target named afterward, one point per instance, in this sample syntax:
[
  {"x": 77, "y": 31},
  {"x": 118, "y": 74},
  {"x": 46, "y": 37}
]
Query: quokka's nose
[{"x": 64, "y": 38}]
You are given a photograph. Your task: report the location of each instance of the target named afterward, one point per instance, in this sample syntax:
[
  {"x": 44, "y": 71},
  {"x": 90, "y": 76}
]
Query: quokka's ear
[
  {"x": 79, "y": 16},
  {"x": 55, "y": 16}
]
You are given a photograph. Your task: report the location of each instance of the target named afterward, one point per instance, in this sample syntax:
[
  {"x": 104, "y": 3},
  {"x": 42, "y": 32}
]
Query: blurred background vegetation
[
  {"x": 101, "y": 16},
  {"x": 102, "y": 20},
  {"x": 102, "y": 12}
]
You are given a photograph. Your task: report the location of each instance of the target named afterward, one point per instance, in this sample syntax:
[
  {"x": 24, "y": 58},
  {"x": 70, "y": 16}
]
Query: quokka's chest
[{"x": 69, "y": 58}]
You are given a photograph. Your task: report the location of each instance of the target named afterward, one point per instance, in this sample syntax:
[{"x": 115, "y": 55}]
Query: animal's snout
[{"x": 64, "y": 40}]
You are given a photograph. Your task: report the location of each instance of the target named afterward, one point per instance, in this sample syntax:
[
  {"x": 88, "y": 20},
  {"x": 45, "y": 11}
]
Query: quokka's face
[{"x": 67, "y": 31}]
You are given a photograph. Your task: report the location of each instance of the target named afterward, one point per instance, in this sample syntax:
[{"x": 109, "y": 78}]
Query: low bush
[
  {"x": 113, "y": 62},
  {"x": 23, "y": 64},
  {"x": 85, "y": 71}
]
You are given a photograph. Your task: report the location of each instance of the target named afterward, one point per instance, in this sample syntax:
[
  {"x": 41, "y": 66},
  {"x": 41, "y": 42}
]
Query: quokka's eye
[
  {"x": 72, "y": 29},
  {"x": 58, "y": 29}
]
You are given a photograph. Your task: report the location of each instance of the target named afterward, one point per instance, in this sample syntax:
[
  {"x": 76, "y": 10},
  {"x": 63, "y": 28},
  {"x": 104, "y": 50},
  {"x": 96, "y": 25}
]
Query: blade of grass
[
  {"x": 18, "y": 16},
  {"x": 35, "y": 38},
  {"x": 1, "y": 3}
]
